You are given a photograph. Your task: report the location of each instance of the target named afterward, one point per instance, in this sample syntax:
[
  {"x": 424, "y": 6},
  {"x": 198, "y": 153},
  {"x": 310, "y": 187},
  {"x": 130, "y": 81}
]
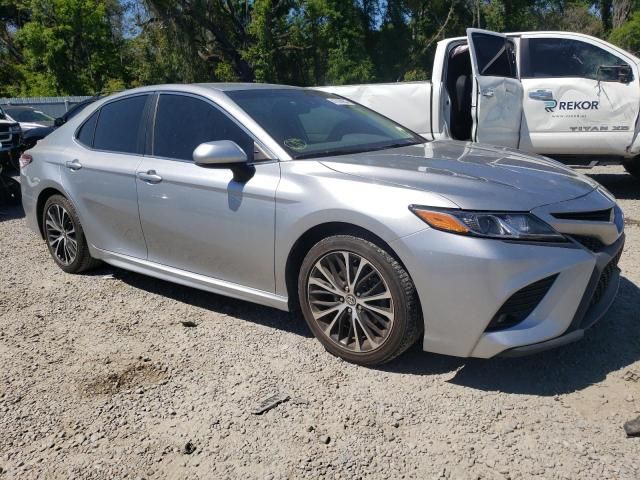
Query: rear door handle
[
  {"x": 73, "y": 165},
  {"x": 150, "y": 176},
  {"x": 489, "y": 92}
]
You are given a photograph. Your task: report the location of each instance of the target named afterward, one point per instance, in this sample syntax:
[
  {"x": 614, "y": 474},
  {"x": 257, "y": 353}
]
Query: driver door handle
[
  {"x": 73, "y": 165},
  {"x": 150, "y": 176}
]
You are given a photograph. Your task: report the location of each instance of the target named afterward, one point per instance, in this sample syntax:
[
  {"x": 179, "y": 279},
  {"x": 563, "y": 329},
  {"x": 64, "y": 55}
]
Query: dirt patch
[{"x": 132, "y": 377}]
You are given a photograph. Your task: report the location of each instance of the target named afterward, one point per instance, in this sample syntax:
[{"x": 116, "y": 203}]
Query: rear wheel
[
  {"x": 632, "y": 165},
  {"x": 358, "y": 300},
  {"x": 65, "y": 237}
]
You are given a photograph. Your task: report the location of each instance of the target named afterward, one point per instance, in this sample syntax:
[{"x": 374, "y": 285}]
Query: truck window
[
  {"x": 563, "y": 57},
  {"x": 495, "y": 55}
]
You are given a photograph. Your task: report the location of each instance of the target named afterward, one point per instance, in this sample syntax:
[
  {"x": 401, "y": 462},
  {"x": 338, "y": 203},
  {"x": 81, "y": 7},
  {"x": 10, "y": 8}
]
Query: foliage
[
  {"x": 627, "y": 36},
  {"x": 68, "y": 47},
  {"x": 52, "y": 47}
]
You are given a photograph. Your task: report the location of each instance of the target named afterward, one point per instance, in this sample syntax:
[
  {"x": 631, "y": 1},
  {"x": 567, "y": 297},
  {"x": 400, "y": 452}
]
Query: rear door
[
  {"x": 496, "y": 105},
  {"x": 581, "y": 95},
  {"x": 99, "y": 174}
]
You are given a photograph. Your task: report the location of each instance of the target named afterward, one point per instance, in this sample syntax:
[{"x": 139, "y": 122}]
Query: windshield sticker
[
  {"x": 296, "y": 144},
  {"x": 340, "y": 101}
]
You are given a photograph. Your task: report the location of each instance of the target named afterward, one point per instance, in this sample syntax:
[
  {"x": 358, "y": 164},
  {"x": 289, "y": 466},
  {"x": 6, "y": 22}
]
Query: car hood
[
  {"x": 473, "y": 176},
  {"x": 30, "y": 125}
]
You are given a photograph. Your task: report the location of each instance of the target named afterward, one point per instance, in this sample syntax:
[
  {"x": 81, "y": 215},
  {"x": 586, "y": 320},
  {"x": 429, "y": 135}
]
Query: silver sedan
[{"x": 305, "y": 201}]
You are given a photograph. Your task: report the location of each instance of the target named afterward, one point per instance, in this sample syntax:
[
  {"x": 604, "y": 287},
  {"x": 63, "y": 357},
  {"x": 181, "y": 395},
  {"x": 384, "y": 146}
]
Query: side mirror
[
  {"x": 58, "y": 122},
  {"x": 221, "y": 153},
  {"x": 625, "y": 74}
]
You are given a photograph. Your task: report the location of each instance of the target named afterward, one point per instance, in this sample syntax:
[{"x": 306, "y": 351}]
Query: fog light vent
[{"x": 520, "y": 305}]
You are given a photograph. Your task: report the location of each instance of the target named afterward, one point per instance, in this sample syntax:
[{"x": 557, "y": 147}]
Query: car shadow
[
  {"x": 623, "y": 185},
  {"x": 267, "y": 316},
  {"x": 10, "y": 212},
  {"x": 610, "y": 345}
]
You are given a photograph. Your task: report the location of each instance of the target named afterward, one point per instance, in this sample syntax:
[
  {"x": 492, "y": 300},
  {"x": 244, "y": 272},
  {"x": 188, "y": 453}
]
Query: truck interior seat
[{"x": 459, "y": 86}]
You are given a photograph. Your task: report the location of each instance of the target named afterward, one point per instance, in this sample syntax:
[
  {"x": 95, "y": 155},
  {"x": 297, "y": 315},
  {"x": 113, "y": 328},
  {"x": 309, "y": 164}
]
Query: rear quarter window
[{"x": 87, "y": 130}]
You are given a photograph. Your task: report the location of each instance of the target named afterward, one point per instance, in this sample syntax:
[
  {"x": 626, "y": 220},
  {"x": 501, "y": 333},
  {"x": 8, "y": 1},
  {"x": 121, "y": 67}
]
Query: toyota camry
[{"x": 305, "y": 201}]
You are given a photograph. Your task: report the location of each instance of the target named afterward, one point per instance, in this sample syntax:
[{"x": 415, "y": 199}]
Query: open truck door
[{"x": 496, "y": 105}]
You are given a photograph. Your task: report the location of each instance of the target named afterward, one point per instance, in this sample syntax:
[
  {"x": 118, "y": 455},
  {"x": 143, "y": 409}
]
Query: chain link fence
[{"x": 52, "y": 106}]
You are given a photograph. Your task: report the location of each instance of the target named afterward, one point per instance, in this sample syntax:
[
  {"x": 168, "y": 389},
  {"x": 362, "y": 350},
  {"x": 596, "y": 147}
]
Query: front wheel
[
  {"x": 632, "y": 165},
  {"x": 358, "y": 301}
]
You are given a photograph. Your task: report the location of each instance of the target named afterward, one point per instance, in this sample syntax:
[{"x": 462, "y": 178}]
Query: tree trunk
[{"x": 621, "y": 11}]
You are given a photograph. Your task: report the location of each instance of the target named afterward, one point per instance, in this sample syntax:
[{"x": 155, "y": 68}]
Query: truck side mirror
[{"x": 625, "y": 74}]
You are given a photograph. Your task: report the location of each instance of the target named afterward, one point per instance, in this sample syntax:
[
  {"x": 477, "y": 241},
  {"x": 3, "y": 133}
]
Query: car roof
[
  {"x": 230, "y": 86},
  {"x": 18, "y": 108}
]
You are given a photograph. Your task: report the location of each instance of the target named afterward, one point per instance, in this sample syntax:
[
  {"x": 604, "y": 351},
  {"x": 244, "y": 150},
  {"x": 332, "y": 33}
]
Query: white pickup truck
[{"x": 559, "y": 94}]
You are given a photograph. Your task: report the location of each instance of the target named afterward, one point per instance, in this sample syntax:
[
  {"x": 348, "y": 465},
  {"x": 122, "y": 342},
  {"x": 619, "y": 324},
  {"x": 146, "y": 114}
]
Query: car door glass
[
  {"x": 562, "y": 57},
  {"x": 119, "y": 124},
  {"x": 86, "y": 131},
  {"x": 184, "y": 122},
  {"x": 495, "y": 55}
]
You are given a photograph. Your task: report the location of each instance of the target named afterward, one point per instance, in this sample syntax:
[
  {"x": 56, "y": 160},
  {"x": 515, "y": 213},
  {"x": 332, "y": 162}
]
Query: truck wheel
[{"x": 632, "y": 165}]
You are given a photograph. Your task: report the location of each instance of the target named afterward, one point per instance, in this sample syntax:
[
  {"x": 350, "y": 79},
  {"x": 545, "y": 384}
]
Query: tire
[
  {"x": 10, "y": 193},
  {"x": 632, "y": 166},
  {"x": 370, "y": 322},
  {"x": 65, "y": 237}
]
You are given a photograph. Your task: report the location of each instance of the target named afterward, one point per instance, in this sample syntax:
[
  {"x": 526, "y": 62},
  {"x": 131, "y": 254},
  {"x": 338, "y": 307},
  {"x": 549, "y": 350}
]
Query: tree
[
  {"x": 68, "y": 47},
  {"x": 627, "y": 36}
]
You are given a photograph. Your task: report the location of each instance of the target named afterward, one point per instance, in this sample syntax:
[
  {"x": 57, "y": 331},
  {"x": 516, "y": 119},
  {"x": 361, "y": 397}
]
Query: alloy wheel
[
  {"x": 61, "y": 234},
  {"x": 350, "y": 301}
]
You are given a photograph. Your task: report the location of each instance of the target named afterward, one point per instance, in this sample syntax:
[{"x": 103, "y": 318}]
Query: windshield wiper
[{"x": 348, "y": 151}]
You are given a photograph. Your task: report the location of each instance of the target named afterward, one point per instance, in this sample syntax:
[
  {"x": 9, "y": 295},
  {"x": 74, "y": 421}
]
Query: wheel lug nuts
[
  {"x": 341, "y": 299},
  {"x": 346, "y": 289}
]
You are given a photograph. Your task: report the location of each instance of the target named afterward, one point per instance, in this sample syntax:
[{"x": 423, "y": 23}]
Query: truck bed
[{"x": 407, "y": 103}]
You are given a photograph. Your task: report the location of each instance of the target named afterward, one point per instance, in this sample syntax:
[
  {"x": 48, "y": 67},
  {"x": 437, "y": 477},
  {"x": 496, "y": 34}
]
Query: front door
[
  {"x": 581, "y": 96},
  {"x": 496, "y": 105},
  {"x": 99, "y": 175},
  {"x": 199, "y": 219}
]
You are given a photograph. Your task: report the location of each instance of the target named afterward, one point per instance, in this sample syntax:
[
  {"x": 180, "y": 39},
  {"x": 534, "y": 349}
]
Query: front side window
[
  {"x": 309, "y": 123},
  {"x": 183, "y": 123},
  {"x": 119, "y": 125},
  {"x": 563, "y": 57},
  {"x": 495, "y": 55}
]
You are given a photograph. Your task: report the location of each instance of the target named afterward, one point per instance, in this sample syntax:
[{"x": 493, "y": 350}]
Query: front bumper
[
  {"x": 463, "y": 282},
  {"x": 598, "y": 297}
]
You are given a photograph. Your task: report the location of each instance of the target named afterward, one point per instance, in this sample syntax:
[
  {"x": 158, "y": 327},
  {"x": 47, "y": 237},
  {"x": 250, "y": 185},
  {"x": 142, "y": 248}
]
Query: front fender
[{"x": 311, "y": 195}]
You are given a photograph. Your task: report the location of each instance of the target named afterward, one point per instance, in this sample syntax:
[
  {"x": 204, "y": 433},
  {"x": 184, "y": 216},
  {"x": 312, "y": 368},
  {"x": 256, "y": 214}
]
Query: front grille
[
  {"x": 605, "y": 279},
  {"x": 520, "y": 305},
  {"x": 592, "y": 243},
  {"x": 595, "y": 216},
  {"x": 4, "y": 127}
]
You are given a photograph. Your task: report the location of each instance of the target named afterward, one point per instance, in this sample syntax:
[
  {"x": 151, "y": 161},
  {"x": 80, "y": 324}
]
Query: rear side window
[
  {"x": 495, "y": 55},
  {"x": 85, "y": 134},
  {"x": 119, "y": 125},
  {"x": 562, "y": 57},
  {"x": 183, "y": 123}
]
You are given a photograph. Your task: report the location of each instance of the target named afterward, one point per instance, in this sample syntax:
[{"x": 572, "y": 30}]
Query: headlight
[
  {"x": 507, "y": 226},
  {"x": 15, "y": 129}
]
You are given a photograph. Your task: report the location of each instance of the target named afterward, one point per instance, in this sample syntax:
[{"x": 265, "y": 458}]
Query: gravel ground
[{"x": 100, "y": 378}]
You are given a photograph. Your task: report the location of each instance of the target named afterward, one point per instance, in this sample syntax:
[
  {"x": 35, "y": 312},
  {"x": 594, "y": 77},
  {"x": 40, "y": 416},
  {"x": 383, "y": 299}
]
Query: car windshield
[
  {"x": 311, "y": 124},
  {"x": 2, "y": 115},
  {"x": 29, "y": 115}
]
